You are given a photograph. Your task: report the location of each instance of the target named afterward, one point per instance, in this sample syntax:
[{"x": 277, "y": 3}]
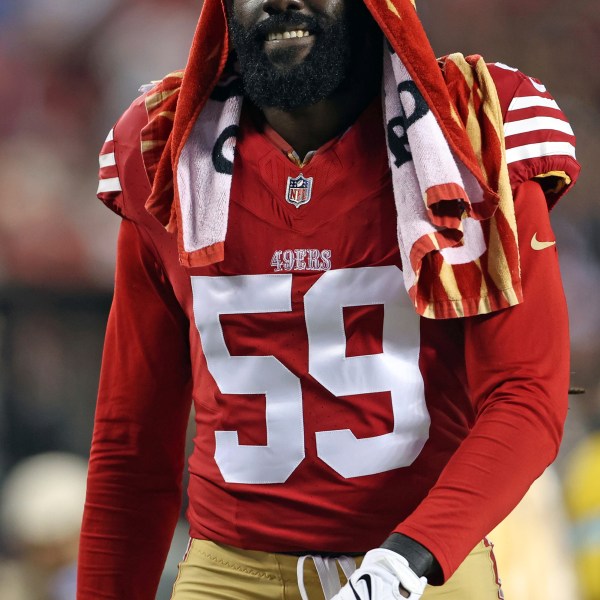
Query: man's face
[{"x": 294, "y": 53}]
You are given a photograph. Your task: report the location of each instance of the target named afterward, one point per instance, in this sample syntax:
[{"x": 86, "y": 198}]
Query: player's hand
[{"x": 383, "y": 575}]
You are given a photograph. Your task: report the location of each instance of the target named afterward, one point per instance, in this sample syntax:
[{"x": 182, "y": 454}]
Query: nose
[{"x": 274, "y": 7}]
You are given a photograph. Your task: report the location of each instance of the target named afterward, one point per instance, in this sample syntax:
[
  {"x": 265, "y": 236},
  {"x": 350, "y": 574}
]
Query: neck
[{"x": 308, "y": 128}]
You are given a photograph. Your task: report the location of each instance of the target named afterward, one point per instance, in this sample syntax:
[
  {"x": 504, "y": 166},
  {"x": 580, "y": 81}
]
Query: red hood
[{"x": 210, "y": 49}]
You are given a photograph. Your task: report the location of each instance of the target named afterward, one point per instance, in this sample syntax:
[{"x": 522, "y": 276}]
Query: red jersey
[{"x": 328, "y": 414}]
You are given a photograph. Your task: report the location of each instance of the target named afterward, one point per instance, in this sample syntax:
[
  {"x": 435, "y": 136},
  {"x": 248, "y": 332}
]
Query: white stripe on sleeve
[
  {"x": 536, "y": 124},
  {"x": 110, "y": 136},
  {"x": 532, "y": 101},
  {"x": 540, "y": 87},
  {"x": 505, "y": 67},
  {"x": 109, "y": 185},
  {"x": 539, "y": 150},
  {"x": 107, "y": 160}
]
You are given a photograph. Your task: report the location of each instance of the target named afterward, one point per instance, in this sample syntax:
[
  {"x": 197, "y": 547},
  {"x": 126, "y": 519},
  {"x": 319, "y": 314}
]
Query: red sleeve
[
  {"x": 517, "y": 364},
  {"x": 137, "y": 457},
  {"x": 123, "y": 184},
  {"x": 540, "y": 143}
]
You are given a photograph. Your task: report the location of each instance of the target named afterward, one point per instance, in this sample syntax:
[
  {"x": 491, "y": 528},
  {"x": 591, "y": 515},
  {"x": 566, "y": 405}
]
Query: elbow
[{"x": 533, "y": 412}]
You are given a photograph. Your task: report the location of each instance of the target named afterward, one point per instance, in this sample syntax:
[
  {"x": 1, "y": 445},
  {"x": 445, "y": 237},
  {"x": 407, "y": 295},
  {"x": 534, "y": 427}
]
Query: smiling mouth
[{"x": 287, "y": 35}]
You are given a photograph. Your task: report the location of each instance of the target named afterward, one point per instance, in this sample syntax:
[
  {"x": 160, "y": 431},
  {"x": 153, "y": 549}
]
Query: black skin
[
  {"x": 308, "y": 127},
  {"x": 355, "y": 80}
]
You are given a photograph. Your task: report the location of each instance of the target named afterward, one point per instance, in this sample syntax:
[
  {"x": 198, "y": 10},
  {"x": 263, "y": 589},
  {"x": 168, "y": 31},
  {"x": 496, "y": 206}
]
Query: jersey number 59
[{"x": 395, "y": 370}]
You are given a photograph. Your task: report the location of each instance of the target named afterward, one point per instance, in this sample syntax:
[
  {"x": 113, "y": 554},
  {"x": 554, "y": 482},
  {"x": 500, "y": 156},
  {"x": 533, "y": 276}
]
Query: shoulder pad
[
  {"x": 540, "y": 143},
  {"x": 121, "y": 180}
]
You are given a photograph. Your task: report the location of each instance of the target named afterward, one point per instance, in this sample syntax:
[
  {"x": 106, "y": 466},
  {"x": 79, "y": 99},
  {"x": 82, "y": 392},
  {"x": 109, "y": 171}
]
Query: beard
[{"x": 286, "y": 85}]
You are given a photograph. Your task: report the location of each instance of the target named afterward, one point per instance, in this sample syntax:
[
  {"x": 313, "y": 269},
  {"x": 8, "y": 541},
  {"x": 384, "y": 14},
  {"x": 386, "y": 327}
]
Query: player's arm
[
  {"x": 518, "y": 368},
  {"x": 517, "y": 364},
  {"x": 137, "y": 455},
  {"x": 517, "y": 360}
]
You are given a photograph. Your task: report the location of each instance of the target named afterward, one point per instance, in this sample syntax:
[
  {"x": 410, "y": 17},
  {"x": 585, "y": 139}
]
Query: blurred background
[{"x": 68, "y": 68}]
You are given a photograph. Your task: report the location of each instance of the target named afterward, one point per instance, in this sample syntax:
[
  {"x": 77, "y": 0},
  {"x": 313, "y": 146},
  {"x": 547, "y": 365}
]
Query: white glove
[{"x": 379, "y": 578}]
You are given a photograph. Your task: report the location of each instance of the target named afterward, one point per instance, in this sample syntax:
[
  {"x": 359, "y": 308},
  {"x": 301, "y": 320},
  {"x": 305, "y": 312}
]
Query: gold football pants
[{"x": 212, "y": 571}]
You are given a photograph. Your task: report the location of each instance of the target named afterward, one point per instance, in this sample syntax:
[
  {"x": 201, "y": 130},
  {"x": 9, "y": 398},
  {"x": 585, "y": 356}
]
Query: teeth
[{"x": 286, "y": 35}]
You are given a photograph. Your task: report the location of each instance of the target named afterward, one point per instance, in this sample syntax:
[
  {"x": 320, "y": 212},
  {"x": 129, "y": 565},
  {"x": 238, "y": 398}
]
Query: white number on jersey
[
  {"x": 214, "y": 296},
  {"x": 395, "y": 370}
]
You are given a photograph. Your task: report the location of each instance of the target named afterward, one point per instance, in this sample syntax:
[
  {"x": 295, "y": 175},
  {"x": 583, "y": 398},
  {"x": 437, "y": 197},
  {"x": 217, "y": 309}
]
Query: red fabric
[
  {"x": 496, "y": 408},
  {"x": 402, "y": 27},
  {"x": 136, "y": 463},
  {"x": 456, "y": 90},
  {"x": 208, "y": 55},
  {"x": 186, "y": 93},
  {"x": 518, "y": 371},
  {"x": 137, "y": 457},
  {"x": 514, "y": 86},
  {"x": 468, "y": 99}
]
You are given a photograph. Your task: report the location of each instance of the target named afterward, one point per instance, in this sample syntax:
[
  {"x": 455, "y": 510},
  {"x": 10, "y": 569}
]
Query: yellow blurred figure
[
  {"x": 582, "y": 491},
  {"x": 532, "y": 547}
]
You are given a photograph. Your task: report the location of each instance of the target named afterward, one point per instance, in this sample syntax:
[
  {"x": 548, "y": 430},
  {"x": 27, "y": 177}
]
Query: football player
[{"x": 339, "y": 250}]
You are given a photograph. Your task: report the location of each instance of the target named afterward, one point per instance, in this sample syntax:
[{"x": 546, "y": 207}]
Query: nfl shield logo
[{"x": 298, "y": 190}]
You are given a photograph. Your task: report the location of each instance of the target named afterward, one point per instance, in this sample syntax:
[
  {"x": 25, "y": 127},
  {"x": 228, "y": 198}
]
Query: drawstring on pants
[{"x": 327, "y": 571}]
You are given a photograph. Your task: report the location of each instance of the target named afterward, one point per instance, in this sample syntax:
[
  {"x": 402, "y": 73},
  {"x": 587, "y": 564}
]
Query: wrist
[{"x": 420, "y": 560}]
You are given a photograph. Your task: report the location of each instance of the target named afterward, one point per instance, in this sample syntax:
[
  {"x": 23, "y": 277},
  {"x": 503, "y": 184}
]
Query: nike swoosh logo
[
  {"x": 367, "y": 579},
  {"x": 537, "y": 245}
]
